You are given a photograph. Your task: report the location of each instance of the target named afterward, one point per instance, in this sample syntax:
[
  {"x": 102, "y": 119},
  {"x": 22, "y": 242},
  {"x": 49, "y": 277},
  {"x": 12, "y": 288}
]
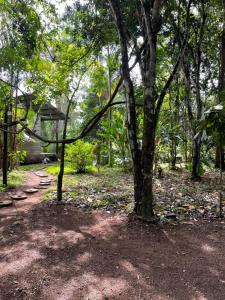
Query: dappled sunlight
[
  {"x": 84, "y": 257},
  {"x": 128, "y": 266},
  {"x": 219, "y": 274},
  {"x": 90, "y": 286},
  {"x": 14, "y": 261},
  {"x": 100, "y": 287},
  {"x": 214, "y": 271},
  {"x": 199, "y": 296},
  {"x": 55, "y": 238},
  {"x": 96, "y": 255},
  {"x": 207, "y": 248},
  {"x": 102, "y": 227},
  {"x": 172, "y": 241}
]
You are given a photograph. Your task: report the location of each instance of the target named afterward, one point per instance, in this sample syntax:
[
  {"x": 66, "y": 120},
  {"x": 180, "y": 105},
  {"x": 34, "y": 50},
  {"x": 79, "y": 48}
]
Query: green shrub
[
  {"x": 80, "y": 155},
  {"x": 202, "y": 170},
  {"x": 18, "y": 157}
]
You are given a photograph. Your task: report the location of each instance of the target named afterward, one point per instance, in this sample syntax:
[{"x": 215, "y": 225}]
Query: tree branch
[{"x": 171, "y": 77}]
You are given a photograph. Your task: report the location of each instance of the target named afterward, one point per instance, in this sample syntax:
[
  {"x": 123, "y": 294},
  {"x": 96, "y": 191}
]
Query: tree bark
[
  {"x": 196, "y": 158},
  {"x": 61, "y": 173},
  {"x": 62, "y": 154},
  {"x": 130, "y": 100},
  {"x": 5, "y": 149},
  {"x": 57, "y": 138},
  {"x": 196, "y": 149},
  {"x": 143, "y": 160},
  {"x": 219, "y": 159},
  {"x": 110, "y": 158}
]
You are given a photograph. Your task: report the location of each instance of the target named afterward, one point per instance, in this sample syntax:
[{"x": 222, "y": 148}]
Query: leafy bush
[
  {"x": 202, "y": 170},
  {"x": 80, "y": 155},
  {"x": 18, "y": 156}
]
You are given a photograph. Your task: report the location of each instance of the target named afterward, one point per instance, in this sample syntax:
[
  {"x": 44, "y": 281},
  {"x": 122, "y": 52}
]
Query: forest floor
[
  {"x": 175, "y": 194},
  {"x": 90, "y": 249}
]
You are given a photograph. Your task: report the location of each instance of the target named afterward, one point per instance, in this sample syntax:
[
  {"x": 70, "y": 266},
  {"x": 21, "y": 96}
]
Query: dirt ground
[{"x": 60, "y": 252}]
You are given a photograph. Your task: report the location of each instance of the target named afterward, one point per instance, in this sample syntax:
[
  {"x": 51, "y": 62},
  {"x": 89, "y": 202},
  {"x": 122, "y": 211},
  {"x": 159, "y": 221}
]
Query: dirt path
[
  {"x": 22, "y": 206},
  {"x": 63, "y": 253}
]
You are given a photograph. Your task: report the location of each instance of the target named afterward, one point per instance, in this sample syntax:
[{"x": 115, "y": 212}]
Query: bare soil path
[
  {"x": 24, "y": 205},
  {"x": 59, "y": 252}
]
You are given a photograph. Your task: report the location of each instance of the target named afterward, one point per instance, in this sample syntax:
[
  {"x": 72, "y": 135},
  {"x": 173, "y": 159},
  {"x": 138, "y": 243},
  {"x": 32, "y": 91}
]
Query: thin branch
[
  {"x": 89, "y": 126},
  {"x": 91, "y": 123},
  {"x": 27, "y": 110},
  {"x": 171, "y": 77}
]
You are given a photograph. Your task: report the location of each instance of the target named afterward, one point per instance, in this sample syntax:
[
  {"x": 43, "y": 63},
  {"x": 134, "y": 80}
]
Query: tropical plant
[{"x": 80, "y": 155}]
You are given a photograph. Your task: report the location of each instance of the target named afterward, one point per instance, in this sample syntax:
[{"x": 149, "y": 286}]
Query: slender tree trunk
[
  {"x": 110, "y": 158},
  {"x": 221, "y": 192},
  {"x": 219, "y": 160},
  {"x": 5, "y": 149},
  {"x": 131, "y": 111},
  {"x": 196, "y": 144},
  {"x": 152, "y": 25},
  {"x": 14, "y": 143},
  {"x": 62, "y": 154},
  {"x": 196, "y": 148},
  {"x": 148, "y": 144},
  {"x": 196, "y": 157},
  {"x": 61, "y": 173},
  {"x": 175, "y": 119},
  {"x": 57, "y": 138},
  {"x": 11, "y": 138}
]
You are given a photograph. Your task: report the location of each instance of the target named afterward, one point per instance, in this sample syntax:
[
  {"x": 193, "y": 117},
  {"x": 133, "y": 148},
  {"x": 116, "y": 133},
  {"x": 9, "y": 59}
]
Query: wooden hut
[{"x": 45, "y": 112}]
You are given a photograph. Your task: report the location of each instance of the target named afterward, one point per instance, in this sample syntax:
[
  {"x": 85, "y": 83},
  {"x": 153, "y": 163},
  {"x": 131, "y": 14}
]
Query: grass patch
[
  {"x": 54, "y": 169},
  {"x": 68, "y": 169},
  {"x": 34, "y": 167},
  {"x": 15, "y": 179},
  {"x": 47, "y": 196}
]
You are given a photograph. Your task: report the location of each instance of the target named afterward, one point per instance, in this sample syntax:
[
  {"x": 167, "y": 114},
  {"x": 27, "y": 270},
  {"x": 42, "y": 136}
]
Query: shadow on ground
[{"x": 60, "y": 252}]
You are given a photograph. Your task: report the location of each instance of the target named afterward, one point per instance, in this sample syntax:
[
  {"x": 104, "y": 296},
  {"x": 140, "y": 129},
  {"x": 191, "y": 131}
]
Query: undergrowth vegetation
[
  {"x": 15, "y": 179},
  {"x": 112, "y": 189}
]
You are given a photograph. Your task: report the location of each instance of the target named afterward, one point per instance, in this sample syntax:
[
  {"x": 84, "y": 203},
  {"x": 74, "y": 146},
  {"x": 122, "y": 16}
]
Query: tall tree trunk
[
  {"x": 219, "y": 161},
  {"x": 5, "y": 149},
  {"x": 62, "y": 154},
  {"x": 152, "y": 24},
  {"x": 57, "y": 137},
  {"x": 110, "y": 158},
  {"x": 148, "y": 143},
  {"x": 131, "y": 111},
  {"x": 61, "y": 173},
  {"x": 174, "y": 113},
  {"x": 196, "y": 144},
  {"x": 196, "y": 150},
  {"x": 143, "y": 160}
]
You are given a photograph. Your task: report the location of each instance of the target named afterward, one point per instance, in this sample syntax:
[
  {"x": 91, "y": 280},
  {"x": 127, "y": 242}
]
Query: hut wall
[{"x": 33, "y": 149}]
